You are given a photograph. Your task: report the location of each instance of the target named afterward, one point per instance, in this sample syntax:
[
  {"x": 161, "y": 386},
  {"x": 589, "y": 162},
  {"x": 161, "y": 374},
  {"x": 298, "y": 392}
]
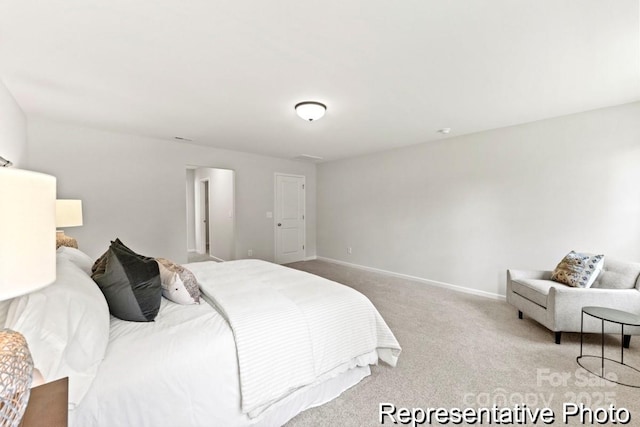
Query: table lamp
[
  {"x": 68, "y": 214},
  {"x": 27, "y": 263}
]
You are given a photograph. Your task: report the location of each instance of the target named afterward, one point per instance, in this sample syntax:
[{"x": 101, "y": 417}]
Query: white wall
[
  {"x": 463, "y": 210},
  {"x": 133, "y": 187},
  {"x": 191, "y": 216},
  {"x": 13, "y": 129}
]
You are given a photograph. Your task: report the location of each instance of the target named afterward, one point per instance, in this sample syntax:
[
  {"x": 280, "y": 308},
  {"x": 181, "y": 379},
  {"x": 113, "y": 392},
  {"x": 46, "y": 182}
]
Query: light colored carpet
[{"x": 461, "y": 350}]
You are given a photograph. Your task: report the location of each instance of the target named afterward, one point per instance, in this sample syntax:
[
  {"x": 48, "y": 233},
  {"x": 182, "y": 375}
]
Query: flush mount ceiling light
[{"x": 310, "y": 110}]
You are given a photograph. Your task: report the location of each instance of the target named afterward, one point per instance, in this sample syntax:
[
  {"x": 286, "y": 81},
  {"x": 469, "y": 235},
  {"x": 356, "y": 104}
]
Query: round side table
[{"x": 620, "y": 317}]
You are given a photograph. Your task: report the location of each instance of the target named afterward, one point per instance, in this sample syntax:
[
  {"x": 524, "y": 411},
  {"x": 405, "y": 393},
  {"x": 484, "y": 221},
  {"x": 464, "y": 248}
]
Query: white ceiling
[{"x": 228, "y": 73}]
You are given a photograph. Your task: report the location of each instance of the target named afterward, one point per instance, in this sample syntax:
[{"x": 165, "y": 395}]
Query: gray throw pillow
[{"x": 131, "y": 284}]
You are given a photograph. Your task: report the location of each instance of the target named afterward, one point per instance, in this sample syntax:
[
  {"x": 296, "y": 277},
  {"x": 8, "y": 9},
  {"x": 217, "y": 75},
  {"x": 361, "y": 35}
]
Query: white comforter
[
  {"x": 291, "y": 328},
  {"x": 182, "y": 369},
  {"x": 179, "y": 370}
]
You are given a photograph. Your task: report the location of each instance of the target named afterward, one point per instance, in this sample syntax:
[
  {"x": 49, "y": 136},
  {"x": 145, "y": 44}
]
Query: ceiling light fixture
[{"x": 310, "y": 110}]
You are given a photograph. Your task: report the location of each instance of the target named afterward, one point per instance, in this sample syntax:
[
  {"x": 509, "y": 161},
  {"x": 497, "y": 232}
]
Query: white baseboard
[
  {"x": 417, "y": 279},
  {"x": 191, "y": 250},
  {"x": 311, "y": 258}
]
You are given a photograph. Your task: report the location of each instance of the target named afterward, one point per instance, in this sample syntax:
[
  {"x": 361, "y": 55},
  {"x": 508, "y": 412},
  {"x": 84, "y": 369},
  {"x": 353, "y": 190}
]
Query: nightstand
[{"x": 48, "y": 405}]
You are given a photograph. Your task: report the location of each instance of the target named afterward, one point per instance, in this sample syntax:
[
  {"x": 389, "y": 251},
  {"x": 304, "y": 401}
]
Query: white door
[{"x": 289, "y": 218}]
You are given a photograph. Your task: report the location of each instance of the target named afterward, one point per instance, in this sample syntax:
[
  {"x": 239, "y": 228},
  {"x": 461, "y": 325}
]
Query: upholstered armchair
[{"x": 558, "y": 307}]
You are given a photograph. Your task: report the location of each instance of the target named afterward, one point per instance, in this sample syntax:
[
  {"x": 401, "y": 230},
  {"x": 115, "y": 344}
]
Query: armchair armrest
[
  {"x": 528, "y": 274},
  {"x": 513, "y": 274}
]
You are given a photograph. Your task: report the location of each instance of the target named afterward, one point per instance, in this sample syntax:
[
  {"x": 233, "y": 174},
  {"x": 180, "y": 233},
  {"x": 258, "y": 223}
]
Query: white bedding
[
  {"x": 182, "y": 370},
  {"x": 135, "y": 386},
  {"x": 291, "y": 328},
  {"x": 165, "y": 373}
]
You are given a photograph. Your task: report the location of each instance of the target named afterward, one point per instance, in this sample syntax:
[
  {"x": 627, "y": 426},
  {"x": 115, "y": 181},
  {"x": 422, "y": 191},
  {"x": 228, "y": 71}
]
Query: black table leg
[
  {"x": 622, "y": 345},
  {"x": 581, "y": 330},
  {"x": 602, "y": 350}
]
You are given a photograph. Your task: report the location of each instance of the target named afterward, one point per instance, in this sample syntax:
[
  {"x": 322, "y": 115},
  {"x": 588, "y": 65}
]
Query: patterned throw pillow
[
  {"x": 578, "y": 269},
  {"x": 178, "y": 284}
]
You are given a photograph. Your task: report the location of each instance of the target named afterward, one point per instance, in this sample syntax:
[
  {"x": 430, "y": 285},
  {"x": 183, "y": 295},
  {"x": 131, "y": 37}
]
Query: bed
[{"x": 267, "y": 343}]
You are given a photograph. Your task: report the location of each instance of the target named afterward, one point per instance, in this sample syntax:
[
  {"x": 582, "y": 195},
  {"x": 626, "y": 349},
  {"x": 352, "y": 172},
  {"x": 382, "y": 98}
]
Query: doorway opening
[
  {"x": 205, "y": 237},
  {"x": 210, "y": 214}
]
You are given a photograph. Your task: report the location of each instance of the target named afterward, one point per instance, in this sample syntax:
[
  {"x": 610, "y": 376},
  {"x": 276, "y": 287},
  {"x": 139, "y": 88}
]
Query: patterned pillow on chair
[{"x": 579, "y": 270}]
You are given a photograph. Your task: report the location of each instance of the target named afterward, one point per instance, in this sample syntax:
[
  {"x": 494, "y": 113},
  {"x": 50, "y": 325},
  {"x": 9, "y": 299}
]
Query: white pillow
[
  {"x": 66, "y": 326},
  {"x": 77, "y": 257},
  {"x": 178, "y": 284}
]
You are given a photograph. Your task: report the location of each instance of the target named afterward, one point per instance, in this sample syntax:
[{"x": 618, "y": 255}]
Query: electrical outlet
[
  {"x": 250, "y": 252},
  {"x": 349, "y": 250}
]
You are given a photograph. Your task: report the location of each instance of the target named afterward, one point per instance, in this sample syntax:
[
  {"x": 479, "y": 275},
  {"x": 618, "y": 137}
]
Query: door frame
[
  {"x": 275, "y": 210},
  {"x": 203, "y": 184}
]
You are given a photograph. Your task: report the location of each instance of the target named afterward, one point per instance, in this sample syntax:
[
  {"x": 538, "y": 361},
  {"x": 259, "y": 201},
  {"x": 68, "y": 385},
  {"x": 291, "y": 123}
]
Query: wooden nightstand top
[{"x": 48, "y": 405}]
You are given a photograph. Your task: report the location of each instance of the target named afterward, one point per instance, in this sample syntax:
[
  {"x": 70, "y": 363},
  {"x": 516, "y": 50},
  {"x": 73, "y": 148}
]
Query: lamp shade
[
  {"x": 68, "y": 213},
  {"x": 27, "y": 231},
  {"x": 310, "y": 110}
]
